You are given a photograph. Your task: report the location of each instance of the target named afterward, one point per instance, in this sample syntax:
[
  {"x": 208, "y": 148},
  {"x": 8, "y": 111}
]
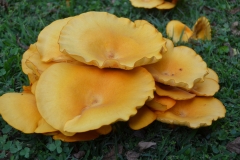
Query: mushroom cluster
[
  {"x": 178, "y": 31},
  {"x": 158, "y": 4},
  {"x": 92, "y": 70}
]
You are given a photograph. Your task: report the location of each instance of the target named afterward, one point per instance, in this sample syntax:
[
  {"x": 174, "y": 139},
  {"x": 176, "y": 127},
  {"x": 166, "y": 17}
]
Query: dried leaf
[
  {"x": 145, "y": 145},
  {"x": 235, "y": 10},
  {"x": 79, "y": 154},
  {"x": 131, "y": 155},
  {"x": 112, "y": 155},
  {"x": 234, "y": 146},
  {"x": 234, "y": 29}
]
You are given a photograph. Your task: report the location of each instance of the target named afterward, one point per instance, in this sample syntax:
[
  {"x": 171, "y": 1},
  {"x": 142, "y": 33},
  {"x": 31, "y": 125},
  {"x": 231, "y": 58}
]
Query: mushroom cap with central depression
[{"x": 75, "y": 98}]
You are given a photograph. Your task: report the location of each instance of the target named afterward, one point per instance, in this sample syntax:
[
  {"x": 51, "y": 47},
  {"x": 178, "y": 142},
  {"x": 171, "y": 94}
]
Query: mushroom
[
  {"x": 20, "y": 111},
  {"x": 119, "y": 44},
  {"x": 181, "y": 32},
  {"x": 212, "y": 75},
  {"x": 143, "y": 118},
  {"x": 47, "y": 43},
  {"x": 207, "y": 88},
  {"x": 178, "y": 31},
  {"x": 194, "y": 113},
  {"x": 161, "y": 103},
  {"x": 174, "y": 70},
  {"x": 44, "y": 127},
  {"x": 146, "y": 3},
  {"x": 104, "y": 129},
  {"x": 79, "y": 96},
  {"x": 167, "y": 5},
  {"x": 173, "y": 92},
  {"x": 84, "y": 136},
  {"x": 202, "y": 29}
]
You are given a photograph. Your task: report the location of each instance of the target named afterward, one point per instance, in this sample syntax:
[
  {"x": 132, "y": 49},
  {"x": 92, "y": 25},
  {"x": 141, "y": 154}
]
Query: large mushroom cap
[
  {"x": 76, "y": 98},
  {"x": 146, "y": 3},
  {"x": 178, "y": 31},
  {"x": 20, "y": 111},
  {"x": 143, "y": 118},
  {"x": 119, "y": 42},
  {"x": 47, "y": 43},
  {"x": 194, "y": 113},
  {"x": 167, "y": 5},
  {"x": 180, "y": 66},
  {"x": 173, "y": 92},
  {"x": 202, "y": 29}
]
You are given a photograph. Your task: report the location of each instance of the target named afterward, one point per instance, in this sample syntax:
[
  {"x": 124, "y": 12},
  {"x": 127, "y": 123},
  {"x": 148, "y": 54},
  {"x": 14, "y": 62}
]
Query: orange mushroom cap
[
  {"x": 180, "y": 66},
  {"x": 84, "y": 136},
  {"x": 167, "y": 5},
  {"x": 202, "y": 29},
  {"x": 143, "y": 118},
  {"x": 31, "y": 61},
  {"x": 20, "y": 111},
  {"x": 207, "y": 88},
  {"x": 47, "y": 43},
  {"x": 194, "y": 113},
  {"x": 104, "y": 129},
  {"x": 119, "y": 44},
  {"x": 173, "y": 92},
  {"x": 146, "y": 3},
  {"x": 212, "y": 75},
  {"x": 178, "y": 31},
  {"x": 44, "y": 127},
  {"x": 161, "y": 103},
  {"x": 80, "y": 96}
]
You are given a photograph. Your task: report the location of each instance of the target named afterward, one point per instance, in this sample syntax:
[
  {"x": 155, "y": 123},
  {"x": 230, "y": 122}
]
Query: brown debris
[
  {"x": 131, "y": 155},
  {"x": 4, "y": 4},
  {"x": 145, "y": 145},
  {"x": 112, "y": 155},
  {"x": 234, "y": 29},
  {"x": 234, "y": 146},
  {"x": 79, "y": 154},
  {"x": 20, "y": 44},
  {"x": 235, "y": 10}
]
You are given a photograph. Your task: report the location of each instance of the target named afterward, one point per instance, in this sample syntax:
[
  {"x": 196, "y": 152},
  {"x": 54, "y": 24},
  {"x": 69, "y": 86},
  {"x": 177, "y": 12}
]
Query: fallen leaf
[
  {"x": 234, "y": 29},
  {"x": 112, "y": 155},
  {"x": 79, "y": 154},
  {"x": 131, "y": 155},
  {"x": 145, "y": 145},
  {"x": 234, "y": 146},
  {"x": 235, "y": 10}
]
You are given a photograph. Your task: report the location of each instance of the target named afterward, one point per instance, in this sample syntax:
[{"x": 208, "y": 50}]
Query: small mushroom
[
  {"x": 178, "y": 31},
  {"x": 167, "y": 5},
  {"x": 143, "y": 118},
  {"x": 194, "y": 113},
  {"x": 173, "y": 92},
  {"x": 202, "y": 29},
  {"x": 161, "y": 103},
  {"x": 146, "y": 3},
  {"x": 207, "y": 88}
]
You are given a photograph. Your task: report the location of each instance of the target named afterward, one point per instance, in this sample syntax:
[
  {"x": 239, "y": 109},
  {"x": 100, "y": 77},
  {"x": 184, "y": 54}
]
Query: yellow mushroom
[
  {"x": 194, "y": 113},
  {"x": 79, "y": 96},
  {"x": 84, "y": 136},
  {"x": 146, "y": 3},
  {"x": 180, "y": 66},
  {"x": 173, "y": 92},
  {"x": 119, "y": 42},
  {"x": 161, "y": 103},
  {"x": 202, "y": 29},
  {"x": 47, "y": 43},
  {"x": 167, "y": 5},
  {"x": 143, "y": 118}
]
